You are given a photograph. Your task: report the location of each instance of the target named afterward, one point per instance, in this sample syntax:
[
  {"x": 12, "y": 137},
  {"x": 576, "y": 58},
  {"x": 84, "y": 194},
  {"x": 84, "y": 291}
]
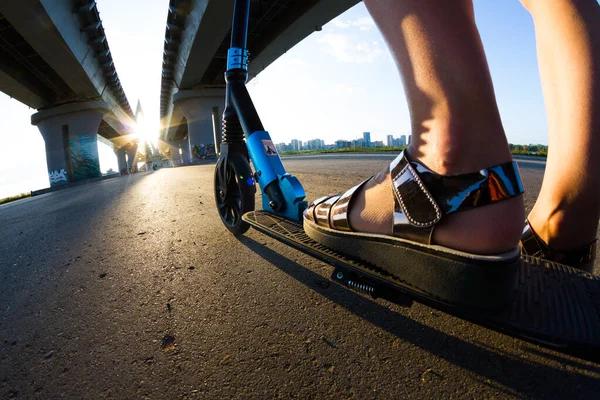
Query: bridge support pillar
[
  {"x": 127, "y": 158},
  {"x": 131, "y": 151},
  {"x": 70, "y": 132},
  {"x": 197, "y": 106},
  {"x": 122, "y": 160},
  {"x": 186, "y": 153}
]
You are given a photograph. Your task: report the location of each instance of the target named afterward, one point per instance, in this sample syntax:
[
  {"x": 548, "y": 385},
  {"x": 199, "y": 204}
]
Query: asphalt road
[{"x": 131, "y": 288}]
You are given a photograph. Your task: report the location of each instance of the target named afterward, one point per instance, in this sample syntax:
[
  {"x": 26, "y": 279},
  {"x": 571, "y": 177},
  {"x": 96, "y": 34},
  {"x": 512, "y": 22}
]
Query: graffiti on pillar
[
  {"x": 199, "y": 151},
  {"x": 210, "y": 151},
  {"x": 203, "y": 152},
  {"x": 57, "y": 176},
  {"x": 84, "y": 157}
]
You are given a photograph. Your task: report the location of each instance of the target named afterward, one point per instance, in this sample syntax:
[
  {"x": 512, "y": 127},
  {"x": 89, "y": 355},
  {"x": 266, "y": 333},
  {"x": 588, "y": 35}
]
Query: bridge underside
[
  {"x": 181, "y": 130},
  {"x": 107, "y": 131},
  {"x": 25, "y": 75},
  {"x": 268, "y": 20},
  {"x": 194, "y": 60},
  {"x": 41, "y": 46}
]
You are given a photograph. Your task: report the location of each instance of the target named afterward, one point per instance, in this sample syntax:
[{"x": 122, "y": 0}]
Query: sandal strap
[
  {"x": 332, "y": 211},
  {"x": 422, "y": 196},
  {"x": 323, "y": 210},
  {"x": 533, "y": 245},
  {"x": 339, "y": 211},
  {"x": 411, "y": 196},
  {"x": 311, "y": 213}
]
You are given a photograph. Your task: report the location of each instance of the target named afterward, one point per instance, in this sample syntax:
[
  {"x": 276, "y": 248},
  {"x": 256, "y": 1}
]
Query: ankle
[
  {"x": 563, "y": 229},
  {"x": 449, "y": 152},
  {"x": 493, "y": 229}
]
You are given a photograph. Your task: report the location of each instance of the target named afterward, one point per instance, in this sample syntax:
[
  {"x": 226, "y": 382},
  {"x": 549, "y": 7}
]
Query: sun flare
[{"x": 145, "y": 132}]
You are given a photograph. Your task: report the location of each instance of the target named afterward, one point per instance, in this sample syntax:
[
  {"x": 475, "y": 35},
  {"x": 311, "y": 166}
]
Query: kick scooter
[{"x": 552, "y": 305}]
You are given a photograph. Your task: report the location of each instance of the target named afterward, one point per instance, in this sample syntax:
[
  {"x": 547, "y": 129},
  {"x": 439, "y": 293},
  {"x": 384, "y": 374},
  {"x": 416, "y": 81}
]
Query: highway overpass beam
[
  {"x": 70, "y": 133},
  {"x": 197, "y": 107}
]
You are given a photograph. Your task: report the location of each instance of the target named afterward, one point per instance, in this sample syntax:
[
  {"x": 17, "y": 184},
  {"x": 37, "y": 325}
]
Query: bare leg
[
  {"x": 456, "y": 126},
  {"x": 566, "y": 213}
]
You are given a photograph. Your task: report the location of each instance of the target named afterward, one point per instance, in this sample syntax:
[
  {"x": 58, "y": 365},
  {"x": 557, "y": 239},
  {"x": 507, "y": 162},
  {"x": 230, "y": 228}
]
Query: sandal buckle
[{"x": 413, "y": 198}]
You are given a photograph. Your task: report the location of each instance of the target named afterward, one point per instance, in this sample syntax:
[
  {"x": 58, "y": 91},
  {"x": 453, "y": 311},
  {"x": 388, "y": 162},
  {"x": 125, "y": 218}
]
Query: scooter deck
[{"x": 553, "y": 305}]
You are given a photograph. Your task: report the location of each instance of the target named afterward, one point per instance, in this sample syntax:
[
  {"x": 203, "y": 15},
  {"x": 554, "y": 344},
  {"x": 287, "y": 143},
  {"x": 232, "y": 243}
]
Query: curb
[{"x": 73, "y": 184}]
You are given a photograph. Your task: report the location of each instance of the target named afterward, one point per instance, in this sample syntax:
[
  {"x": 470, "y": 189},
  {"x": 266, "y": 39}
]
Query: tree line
[{"x": 529, "y": 149}]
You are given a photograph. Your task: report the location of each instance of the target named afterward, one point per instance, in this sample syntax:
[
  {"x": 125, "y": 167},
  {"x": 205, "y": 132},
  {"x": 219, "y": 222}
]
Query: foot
[
  {"x": 407, "y": 205},
  {"x": 543, "y": 239},
  {"x": 493, "y": 229}
]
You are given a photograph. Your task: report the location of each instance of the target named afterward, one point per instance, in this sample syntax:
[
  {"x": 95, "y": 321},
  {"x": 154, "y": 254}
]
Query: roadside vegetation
[
  {"x": 537, "y": 150},
  {"x": 346, "y": 150},
  {"x": 13, "y": 198},
  {"x": 529, "y": 150}
]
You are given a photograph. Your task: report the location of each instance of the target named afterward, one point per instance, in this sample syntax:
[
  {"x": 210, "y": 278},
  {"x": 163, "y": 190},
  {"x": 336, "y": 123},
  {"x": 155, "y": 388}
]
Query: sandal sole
[{"x": 476, "y": 281}]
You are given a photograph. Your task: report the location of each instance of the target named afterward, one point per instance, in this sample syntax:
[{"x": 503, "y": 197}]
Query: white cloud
[
  {"x": 362, "y": 23},
  {"x": 344, "y": 49},
  {"x": 338, "y": 23}
]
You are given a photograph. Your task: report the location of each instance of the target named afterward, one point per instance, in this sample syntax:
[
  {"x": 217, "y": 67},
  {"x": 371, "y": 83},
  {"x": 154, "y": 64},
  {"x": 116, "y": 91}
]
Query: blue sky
[{"x": 342, "y": 82}]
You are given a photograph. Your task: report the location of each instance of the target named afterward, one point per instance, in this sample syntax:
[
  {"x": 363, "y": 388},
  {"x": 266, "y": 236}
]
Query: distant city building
[
  {"x": 343, "y": 144},
  {"x": 281, "y": 147},
  {"x": 367, "y": 139},
  {"x": 315, "y": 144},
  {"x": 390, "y": 140},
  {"x": 358, "y": 143},
  {"x": 296, "y": 145}
]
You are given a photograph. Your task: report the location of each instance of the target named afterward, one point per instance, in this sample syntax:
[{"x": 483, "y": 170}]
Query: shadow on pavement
[
  {"x": 522, "y": 375},
  {"x": 39, "y": 233}
]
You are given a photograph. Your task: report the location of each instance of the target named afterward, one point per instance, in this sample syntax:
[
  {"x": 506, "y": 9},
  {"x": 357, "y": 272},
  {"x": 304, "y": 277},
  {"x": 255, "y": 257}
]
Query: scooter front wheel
[{"x": 234, "y": 193}]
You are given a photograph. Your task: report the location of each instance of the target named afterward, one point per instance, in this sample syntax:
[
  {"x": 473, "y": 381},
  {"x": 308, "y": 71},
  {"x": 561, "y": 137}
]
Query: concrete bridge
[
  {"x": 54, "y": 57},
  {"x": 196, "y": 42}
]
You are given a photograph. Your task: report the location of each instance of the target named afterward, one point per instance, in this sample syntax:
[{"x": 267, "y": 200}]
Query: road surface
[{"x": 132, "y": 289}]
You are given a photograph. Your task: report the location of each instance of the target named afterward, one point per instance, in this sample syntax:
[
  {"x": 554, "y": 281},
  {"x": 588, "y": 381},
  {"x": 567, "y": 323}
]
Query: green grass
[
  {"x": 346, "y": 150},
  {"x": 387, "y": 149},
  {"x": 13, "y": 198}
]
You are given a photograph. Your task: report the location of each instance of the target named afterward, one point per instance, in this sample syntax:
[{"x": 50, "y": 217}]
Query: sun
[{"x": 144, "y": 131}]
